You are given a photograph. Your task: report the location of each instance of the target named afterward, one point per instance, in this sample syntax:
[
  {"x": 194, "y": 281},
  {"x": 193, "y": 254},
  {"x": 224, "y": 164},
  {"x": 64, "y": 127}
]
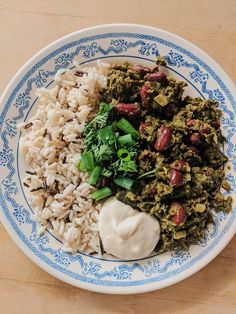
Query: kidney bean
[
  {"x": 195, "y": 138},
  {"x": 190, "y": 123},
  {"x": 203, "y": 129},
  {"x": 179, "y": 165},
  {"x": 176, "y": 178},
  {"x": 216, "y": 124},
  {"x": 152, "y": 191},
  {"x": 179, "y": 217},
  {"x": 142, "y": 127},
  {"x": 163, "y": 142},
  {"x": 128, "y": 109},
  {"x": 156, "y": 77},
  {"x": 170, "y": 109},
  {"x": 145, "y": 95},
  {"x": 137, "y": 68}
]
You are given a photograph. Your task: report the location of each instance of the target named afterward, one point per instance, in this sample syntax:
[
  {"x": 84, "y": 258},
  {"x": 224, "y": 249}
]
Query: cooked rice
[{"x": 52, "y": 145}]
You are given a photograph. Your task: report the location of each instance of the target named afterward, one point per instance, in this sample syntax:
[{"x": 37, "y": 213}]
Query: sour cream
[{"x": 125, "y": 232}]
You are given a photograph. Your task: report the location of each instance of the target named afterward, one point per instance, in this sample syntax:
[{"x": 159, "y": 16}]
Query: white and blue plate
[{"x": 118, "y": 42}]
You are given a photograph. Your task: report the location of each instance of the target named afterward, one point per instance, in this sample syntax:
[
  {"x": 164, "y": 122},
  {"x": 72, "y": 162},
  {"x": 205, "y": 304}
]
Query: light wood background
[{"x": 27, "y": 26}]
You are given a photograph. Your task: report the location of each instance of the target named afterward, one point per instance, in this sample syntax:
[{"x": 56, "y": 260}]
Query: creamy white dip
[{"x": 125, "y": 232}]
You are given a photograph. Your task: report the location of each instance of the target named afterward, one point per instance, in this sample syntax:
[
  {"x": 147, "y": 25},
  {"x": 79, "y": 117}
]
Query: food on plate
[
  {"x": 125, "y": 232},
  {"x": 125, "y": 135}
]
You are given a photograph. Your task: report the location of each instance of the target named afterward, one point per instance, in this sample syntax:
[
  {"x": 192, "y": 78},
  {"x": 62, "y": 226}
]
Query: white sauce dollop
[{"x": 125, "y": 232}]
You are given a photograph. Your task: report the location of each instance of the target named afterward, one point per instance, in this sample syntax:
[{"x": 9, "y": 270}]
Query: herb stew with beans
[{"x": 158, "y": 152}]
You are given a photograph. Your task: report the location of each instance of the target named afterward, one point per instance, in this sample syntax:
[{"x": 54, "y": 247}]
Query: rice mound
[{"x": 52, "y": 146}]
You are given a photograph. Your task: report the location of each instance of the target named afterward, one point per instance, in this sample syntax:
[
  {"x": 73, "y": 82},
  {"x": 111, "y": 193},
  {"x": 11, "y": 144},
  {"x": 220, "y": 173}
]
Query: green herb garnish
[
  {"x": 127, "y": 128},
  {"x": 95, "y": 175},
  {"x": 102, "y": 153},
  {"x": 98, "y": 122},
  {"x": 87, "y": 161},
  {"x": 126, "y": 140},
  {"x": 106, "y": 135},
  {"x": 126, "y": 183},
  {"x": 124, "y": 154},
  {"x": 100, "y": 194}
]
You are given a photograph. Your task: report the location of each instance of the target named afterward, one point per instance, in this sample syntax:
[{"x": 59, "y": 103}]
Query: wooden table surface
[{"x": 27, "y": 26}]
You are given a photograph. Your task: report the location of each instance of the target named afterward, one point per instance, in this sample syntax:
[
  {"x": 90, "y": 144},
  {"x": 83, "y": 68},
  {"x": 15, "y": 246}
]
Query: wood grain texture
[{"x": 27, "y": 26}]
